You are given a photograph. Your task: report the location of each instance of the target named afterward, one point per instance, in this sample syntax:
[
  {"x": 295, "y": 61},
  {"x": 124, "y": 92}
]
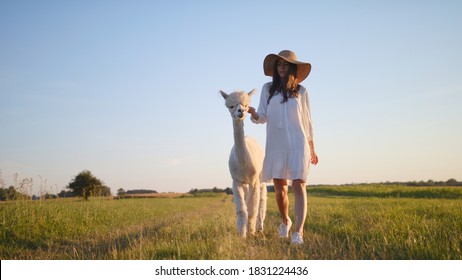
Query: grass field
[{"x": 343, "y": 223}]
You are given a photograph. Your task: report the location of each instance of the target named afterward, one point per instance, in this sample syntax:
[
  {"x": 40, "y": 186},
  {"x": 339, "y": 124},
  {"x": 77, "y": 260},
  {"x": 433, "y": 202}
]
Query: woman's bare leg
[
  {"x": 300, "y": 204},
  {"x": 282, "y": 200}
]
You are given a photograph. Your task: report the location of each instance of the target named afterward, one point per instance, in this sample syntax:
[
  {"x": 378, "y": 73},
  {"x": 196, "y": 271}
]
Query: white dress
[{"x": 288, "y": 130}]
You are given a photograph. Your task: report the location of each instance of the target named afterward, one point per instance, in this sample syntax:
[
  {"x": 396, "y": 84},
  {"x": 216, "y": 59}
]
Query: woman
[{"x": 285, "y": 108}]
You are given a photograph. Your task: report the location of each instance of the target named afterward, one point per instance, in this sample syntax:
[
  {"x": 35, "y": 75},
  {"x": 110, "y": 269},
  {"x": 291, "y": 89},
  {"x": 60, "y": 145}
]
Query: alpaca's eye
[{"x": 231, "y": 107}]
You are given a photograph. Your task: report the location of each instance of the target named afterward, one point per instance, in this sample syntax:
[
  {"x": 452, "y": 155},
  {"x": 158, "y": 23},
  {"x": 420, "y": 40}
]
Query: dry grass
[
  {"x": 337, "y": 227},
  {"x": 154, "y": 195}
]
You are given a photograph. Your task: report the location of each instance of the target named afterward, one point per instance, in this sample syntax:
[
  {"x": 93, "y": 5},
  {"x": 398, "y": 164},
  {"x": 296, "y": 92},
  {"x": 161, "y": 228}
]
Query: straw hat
[{"x": 303, "y": 68}]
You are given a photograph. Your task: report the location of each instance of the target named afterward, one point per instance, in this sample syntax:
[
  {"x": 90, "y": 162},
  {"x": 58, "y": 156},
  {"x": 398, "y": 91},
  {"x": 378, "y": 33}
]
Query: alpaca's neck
[{"x": 239, "y": 141}]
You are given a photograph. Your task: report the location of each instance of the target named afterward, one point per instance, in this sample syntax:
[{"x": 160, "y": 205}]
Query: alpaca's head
[{"x": 238, "y": 103}]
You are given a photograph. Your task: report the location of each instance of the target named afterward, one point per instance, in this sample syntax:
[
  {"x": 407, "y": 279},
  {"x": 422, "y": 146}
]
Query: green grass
[
  {"x": 395, "y": 191},
  {"x": 341, "y": 224}
]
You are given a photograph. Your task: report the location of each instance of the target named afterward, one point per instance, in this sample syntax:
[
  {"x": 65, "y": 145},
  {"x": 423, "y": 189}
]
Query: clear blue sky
[{"x": 129, "y": 89}]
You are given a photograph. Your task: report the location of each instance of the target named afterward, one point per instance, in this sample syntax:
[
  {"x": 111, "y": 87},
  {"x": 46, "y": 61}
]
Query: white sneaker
[
  {"x": 283, "y": 230},
  {"x": 297, "y": 239}
]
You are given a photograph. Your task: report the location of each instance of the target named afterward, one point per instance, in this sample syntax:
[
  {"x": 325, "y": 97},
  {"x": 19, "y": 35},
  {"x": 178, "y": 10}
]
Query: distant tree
[
  {"x": 2, "y": 183},
  {"x": 49, "y": 196},
  {"x": 64, "y": 193},
  {"x": 12, "y": 194},
  {"x": 5, "y": 194},
  {"x": 86, "y": 185},
  {"x": 121, "y": 192},
  {"x": 140, "y": 191},
  {"x": 451, "y": 182}
]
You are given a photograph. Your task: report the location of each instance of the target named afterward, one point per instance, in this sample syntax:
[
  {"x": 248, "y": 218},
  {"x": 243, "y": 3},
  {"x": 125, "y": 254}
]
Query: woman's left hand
[
  {"x": 314, "y": 158},
  {"x": 253, "y": 113}
]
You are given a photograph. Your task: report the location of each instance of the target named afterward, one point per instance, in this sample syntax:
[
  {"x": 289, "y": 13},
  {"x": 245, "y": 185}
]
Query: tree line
[
  {"x": 86, "y": 185},
  {"x": 214, "y": 190},
  {"x": 429, "y": 183},
  {"x": 122, "y": 192}
]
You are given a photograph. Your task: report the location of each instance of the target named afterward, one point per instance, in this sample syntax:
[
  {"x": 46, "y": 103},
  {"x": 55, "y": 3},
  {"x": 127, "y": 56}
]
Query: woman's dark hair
[{"x": 288, "y": 85}]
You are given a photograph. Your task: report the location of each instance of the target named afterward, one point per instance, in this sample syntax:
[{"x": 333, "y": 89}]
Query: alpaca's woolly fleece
[{"x": 245, "y": 165}]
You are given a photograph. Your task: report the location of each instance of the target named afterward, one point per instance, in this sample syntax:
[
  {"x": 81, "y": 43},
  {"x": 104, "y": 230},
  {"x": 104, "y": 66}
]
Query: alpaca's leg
[
  {"x": 241, "y": 208},
  {"x": 262, "y": 207},
  {"x": 253, "y": 201}
]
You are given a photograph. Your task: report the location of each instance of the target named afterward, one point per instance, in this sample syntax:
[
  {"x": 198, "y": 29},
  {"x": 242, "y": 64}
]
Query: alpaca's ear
[
  {"x": 224, "y": 94},
  {"x": 251, "y": 92}
]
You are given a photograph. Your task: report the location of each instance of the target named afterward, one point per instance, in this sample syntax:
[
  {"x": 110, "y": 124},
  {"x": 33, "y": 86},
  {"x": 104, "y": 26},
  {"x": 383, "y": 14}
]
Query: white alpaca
[{"x": 245, "y": 166}]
